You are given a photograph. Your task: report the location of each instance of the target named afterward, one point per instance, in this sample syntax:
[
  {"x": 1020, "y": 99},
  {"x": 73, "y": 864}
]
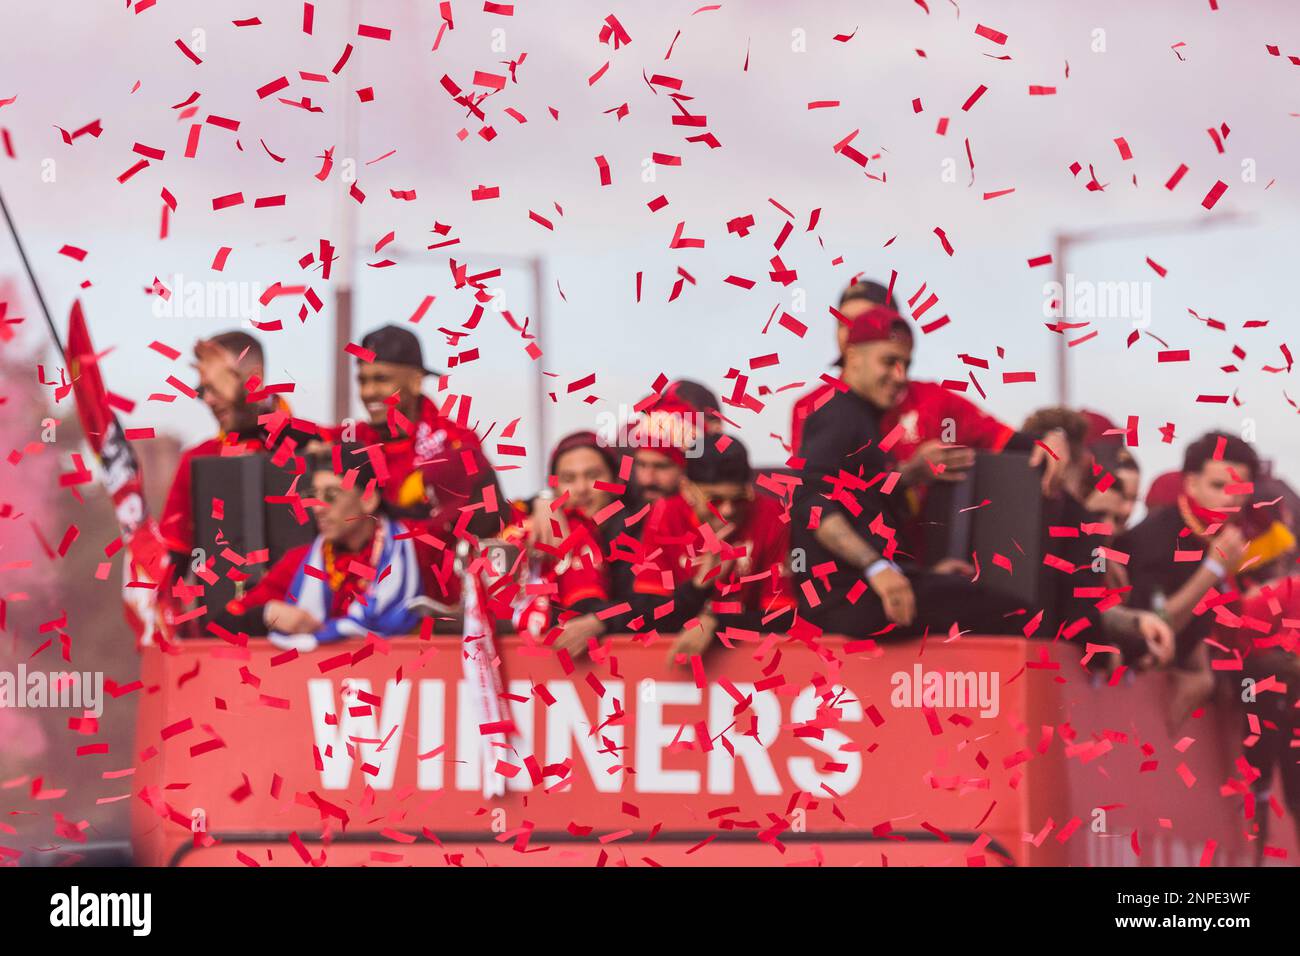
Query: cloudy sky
[{"x": 1157, "y": 75}]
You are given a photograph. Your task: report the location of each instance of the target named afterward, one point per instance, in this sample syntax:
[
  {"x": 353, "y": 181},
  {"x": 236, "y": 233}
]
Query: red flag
[{"x": 147, "y": 563}]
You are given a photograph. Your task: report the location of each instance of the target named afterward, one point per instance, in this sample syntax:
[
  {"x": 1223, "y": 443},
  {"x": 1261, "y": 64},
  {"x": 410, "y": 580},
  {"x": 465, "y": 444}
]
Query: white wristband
[
  {"x": 884, "y": 564},
  {"x": 1215, "y": 567}
]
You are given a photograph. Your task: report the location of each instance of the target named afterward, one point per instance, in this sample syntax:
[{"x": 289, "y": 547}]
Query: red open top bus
[{"x": 254, "y": 756}]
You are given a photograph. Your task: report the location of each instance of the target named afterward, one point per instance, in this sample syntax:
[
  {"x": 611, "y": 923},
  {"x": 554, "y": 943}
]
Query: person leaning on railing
[
  {"x": 1211, "y": 543},
  {"x": 716, "y": 554},
  {"x": 1097, "y": 494},
  {"x": 848, "y": 512},
  {"x": 846, "y": 521}
]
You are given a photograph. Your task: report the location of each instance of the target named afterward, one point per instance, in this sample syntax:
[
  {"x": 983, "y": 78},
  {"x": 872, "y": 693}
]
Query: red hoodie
[{"x": 759, "y": 580}]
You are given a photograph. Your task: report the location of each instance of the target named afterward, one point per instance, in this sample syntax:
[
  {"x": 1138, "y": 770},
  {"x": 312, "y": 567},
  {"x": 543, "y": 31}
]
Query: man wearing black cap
[
  {"x": 702, "y": 399},
  {"x": 438, "y": 476}
]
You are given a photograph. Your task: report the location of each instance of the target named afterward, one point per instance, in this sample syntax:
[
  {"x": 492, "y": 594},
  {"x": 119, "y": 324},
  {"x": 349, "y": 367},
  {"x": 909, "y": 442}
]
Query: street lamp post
[{"x": 1064, "y": 241}]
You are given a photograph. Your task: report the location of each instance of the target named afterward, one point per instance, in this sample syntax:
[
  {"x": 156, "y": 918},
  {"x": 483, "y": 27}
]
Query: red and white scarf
[{"x": 483, "y": 675}]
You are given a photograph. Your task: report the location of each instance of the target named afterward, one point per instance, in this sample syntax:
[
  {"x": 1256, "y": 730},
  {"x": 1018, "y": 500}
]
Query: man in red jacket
[
  {"x": 435, "y": 476},
  {"x": 438, "y": 476},
  {"x": 716, "y": 554},
  {"x": 231, "y": 368}
]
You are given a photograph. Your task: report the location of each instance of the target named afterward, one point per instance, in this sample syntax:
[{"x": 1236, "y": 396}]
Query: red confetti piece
[
  {"x": 1213, "y": 196},
  {"x": 943, "y": 238},
  {"x": 974, "y": 98},
  {"x": 275, "y": 86},
  {"x": 181, "y": 45}
]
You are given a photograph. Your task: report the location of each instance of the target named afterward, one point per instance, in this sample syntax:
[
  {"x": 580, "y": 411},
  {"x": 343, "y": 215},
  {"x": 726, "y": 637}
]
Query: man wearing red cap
[
  {"x": 662, "y": 438},
  {"x": 848, "y": 511},
  {"x": 934, "y": 429},
  {"x": 845, "y": 516}
]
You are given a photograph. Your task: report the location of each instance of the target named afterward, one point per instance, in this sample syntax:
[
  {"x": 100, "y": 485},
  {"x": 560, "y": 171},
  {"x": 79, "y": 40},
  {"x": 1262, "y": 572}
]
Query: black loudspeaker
[
  {"x": 249, "y": 524},
  {"x": 997, "y": 510},
  {"x": 280, "y": 518}
]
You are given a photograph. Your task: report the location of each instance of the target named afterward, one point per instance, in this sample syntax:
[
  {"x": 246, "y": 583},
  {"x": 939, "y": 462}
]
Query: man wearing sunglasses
[{"x": 716, "y": 554}]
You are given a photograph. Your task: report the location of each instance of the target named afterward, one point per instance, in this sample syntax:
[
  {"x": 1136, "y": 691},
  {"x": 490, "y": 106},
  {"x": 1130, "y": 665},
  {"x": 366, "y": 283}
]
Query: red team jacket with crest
[{"x": 759, "y": 582}]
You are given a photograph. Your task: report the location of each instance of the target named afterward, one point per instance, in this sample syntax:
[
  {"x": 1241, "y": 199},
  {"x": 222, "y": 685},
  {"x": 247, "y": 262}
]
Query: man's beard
[{"x": 244, "y": 418}]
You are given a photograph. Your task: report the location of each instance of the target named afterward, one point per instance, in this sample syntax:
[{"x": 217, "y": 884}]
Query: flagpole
[{"x": 31, "y": 277}]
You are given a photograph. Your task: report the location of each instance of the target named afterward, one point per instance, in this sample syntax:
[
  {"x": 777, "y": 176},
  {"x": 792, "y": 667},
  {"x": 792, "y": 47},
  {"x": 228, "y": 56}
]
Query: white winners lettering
[
  {"x": 74, "y": 908},
  {"x": 351, "y": 728},
  {"x": 358, "y": 735}
]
